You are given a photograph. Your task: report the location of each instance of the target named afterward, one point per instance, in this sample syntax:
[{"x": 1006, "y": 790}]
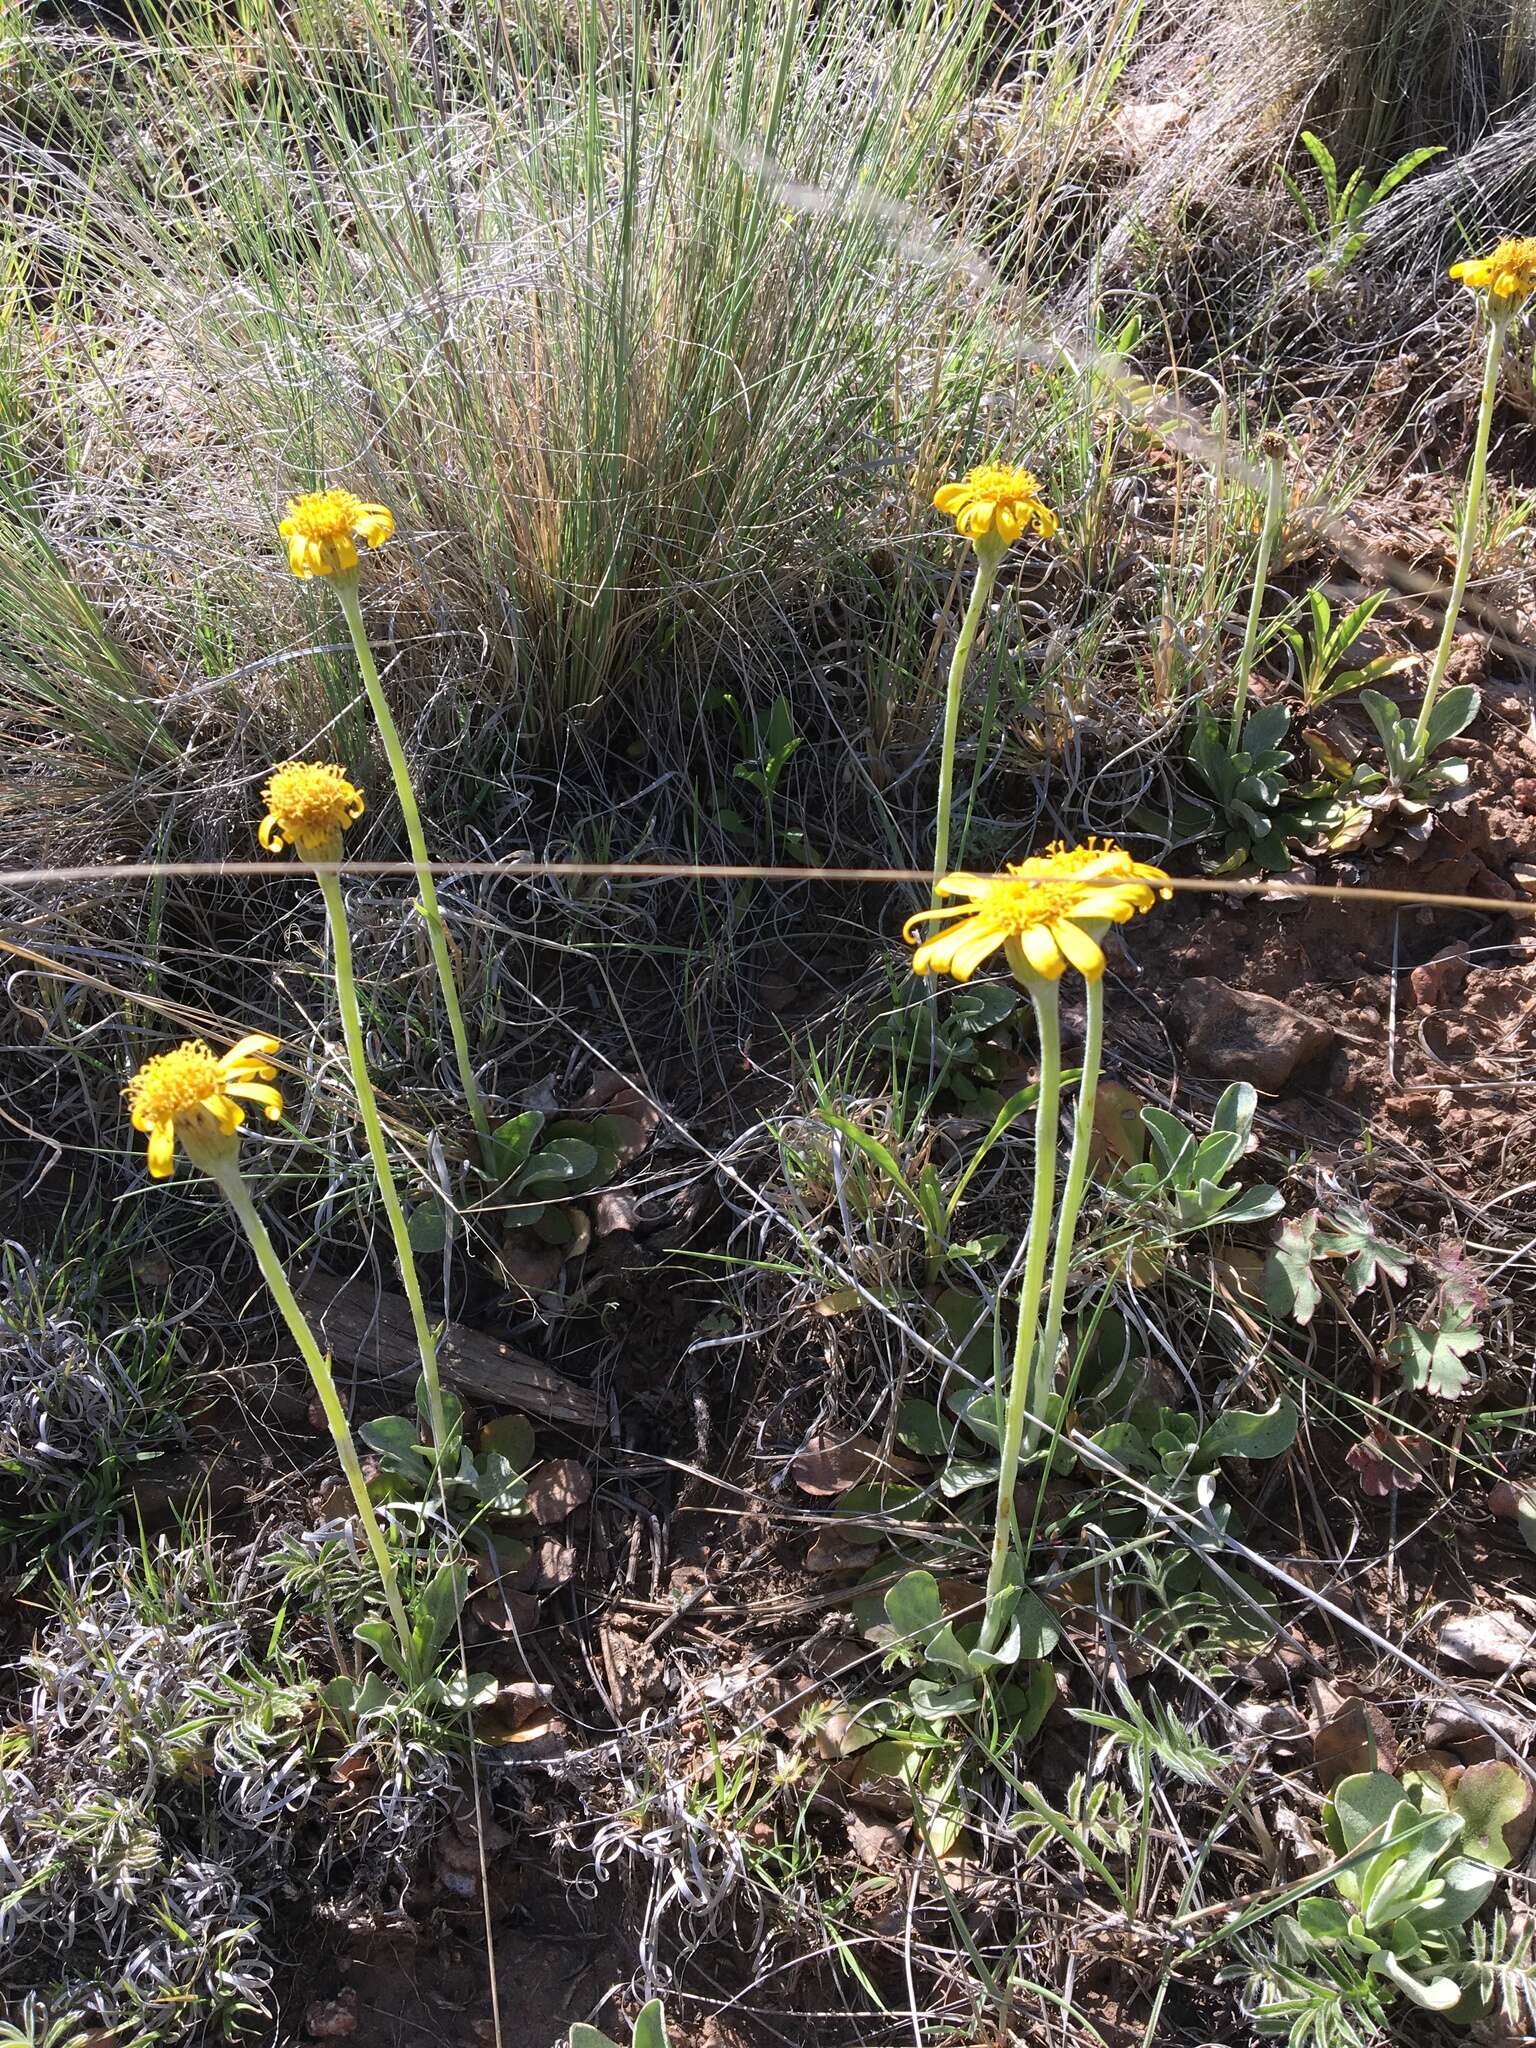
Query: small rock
[
  {"x": 332, "y": 2019},
  {"x": 556, "y": 1489},
  {"x": 1416, "y": 1106},
  {"x": 530, "y": 1264},
  {"x": 1442, "y": 977},
  {"x": 1492, "y": 1641},
  {"x": 613, "y": 1212},
  {"x": 163, "y": 1490},
  {"x": 1235, "y": 1036}
]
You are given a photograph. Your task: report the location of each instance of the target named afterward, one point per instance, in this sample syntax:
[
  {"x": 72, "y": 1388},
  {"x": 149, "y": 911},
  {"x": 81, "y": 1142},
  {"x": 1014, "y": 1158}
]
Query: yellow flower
[
  {"x": 190, "y": 1093},
  {"x": 309, "y": 805},
  {"x": 1508, "y": 276},
  {"x": 995, "y": 504},
  {"x": 1049, "y": 913},
  {"x": 322, "y": 527}
]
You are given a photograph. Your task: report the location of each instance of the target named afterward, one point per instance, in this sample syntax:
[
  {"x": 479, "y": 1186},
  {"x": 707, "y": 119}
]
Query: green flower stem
[
  {"x": 1068, "y": 1209},
  {"x": 232, "y": 1186},
  {"x": 988, "y": 557},
  {"x": 1498, "y": 327},
  {"x": 378, "y": 1151},
  {"x": 1273, "y": 500},
  {"x": 346, "y": 590},
  {"x": 1047, "y": 1108}
]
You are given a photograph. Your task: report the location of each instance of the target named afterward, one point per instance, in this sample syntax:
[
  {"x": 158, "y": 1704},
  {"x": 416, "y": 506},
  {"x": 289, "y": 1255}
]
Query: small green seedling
[
  {"x": 1414, "y": 783},
  {"x": 1249, "y": 808},
  {"x": 1323, "y": 656},
  {"x": 1291, "y": 1285},
  {"x": 776, "y": 744},
  {"x": 1342, "y": 233},
  {"x": 540, "y": 1169},
  {"x": 490, "y": 1480},
  {"x": 767, "y": 746},
  {"x": 1416, "y": 1858},
  {"x": 650, "y": 2031},
  {"x": 1184, "y": 1183},
  {"x": 950, "y": 1035},
  {"x": 920, "y": 1737}
]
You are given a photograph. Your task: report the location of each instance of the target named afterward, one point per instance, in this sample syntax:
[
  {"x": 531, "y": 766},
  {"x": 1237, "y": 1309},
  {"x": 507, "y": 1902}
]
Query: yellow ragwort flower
[
  {"x": 1048, "y": 912},
  {"x": 1508, "y": 276},
  {"x": 323, "y": 527},
  {"x": 194, "y": 1094},
  {"x": 309, "y": 805},
  {"x": 993, "y": 505}
]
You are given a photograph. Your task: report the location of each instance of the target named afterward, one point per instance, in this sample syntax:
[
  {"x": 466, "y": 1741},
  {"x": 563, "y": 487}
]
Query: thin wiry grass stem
[
  {"x": 437, "y": 934},
  {"x": 1498, "y": 327},
  {"x": 1273, "y": 501},
  {"x": 231, "y": 1184},
  {"x": 1048, "y": 1020},
  {"x": 986, "y": 575},
  {"x": 378, "y": 1152}
]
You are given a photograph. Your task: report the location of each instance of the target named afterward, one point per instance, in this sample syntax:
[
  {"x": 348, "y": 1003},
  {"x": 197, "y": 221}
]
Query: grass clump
[{"x": 81, "y": 1402}]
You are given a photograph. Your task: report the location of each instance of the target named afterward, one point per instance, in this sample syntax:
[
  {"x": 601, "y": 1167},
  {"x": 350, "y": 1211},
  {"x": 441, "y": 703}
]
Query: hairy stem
[
  {"x": 346, "y": 590},
  {"x": 378, "y": 1152},
  {"x": 987, "y": 560},
  {"x": 1042, "y": 1206},
  {"x": 1498, "y": 327},
  {"x": 1068, "y": 1209},
  {"x": 232, "y": 1186}
]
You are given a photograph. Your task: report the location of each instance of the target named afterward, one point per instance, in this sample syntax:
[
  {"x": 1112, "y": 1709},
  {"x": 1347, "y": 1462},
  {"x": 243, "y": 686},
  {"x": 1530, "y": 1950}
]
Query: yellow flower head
[
  {"x": 1508, "y": 276},
  {"x": 995, "y": 504},
  {"x": 1049, "y": 913},
  {"x": 191, "y": 1093},
  {"x": 323, "y": 527},
  {"x": 309, "y": 805}
]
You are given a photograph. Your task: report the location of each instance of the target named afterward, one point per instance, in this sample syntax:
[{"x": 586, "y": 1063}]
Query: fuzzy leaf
[
  {"x": 1359, "y": 1806},
  {"x": 921, "y": 1428},
  {"x": 1289, "y": 1287},
  {"x": 1039, "y": 1630},
  {"x": 914, "y": 1610},
  {"x": 650, "y": 2026},
  {"x": 1454, "y": 711},
  {"x": 512, "y": 1142},
  {"x": 439, "y": 1603},
  {"x": 380, "y": 1637},
  {"x": 1252, "y": 1433},
  {"x": 1323, "y": 1919}
]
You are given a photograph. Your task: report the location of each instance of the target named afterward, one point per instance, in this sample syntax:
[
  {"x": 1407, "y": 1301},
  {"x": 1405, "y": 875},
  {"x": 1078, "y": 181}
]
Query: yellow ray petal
[
  {"x": 1042, "y": 951},
  {"x": 1081, "y": 950},
  {"x": 257, "y": 1091}
]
